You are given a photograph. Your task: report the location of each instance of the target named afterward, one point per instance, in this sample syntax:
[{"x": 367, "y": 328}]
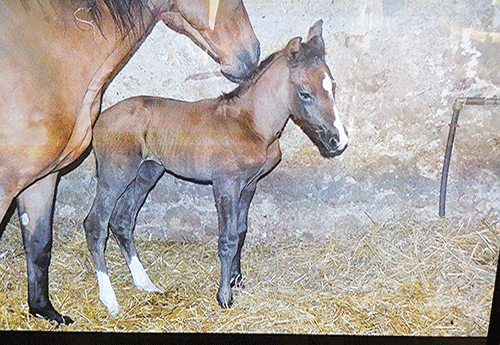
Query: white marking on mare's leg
[
  {"x": 25, "y": 220},
  {"x": 140, "y": 277},
  {"x": 106, "y": 293}
]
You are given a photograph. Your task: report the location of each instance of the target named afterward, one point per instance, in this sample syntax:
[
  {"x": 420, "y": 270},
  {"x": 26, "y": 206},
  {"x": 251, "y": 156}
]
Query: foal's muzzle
[
  {"x": 330, "y": 145},
  {"x": 337, "y": 152}
]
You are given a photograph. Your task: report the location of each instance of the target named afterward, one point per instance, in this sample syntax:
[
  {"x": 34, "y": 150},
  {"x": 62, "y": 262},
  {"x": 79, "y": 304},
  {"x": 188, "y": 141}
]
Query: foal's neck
[{"x": 267, "y": 100}]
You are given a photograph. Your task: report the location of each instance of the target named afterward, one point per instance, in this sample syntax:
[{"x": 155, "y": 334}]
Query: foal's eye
[{"x": 305, "y": 96}]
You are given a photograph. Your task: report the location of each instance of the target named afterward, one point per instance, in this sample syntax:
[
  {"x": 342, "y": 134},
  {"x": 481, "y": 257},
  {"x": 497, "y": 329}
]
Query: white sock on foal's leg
[
  {"x": 140, "y": 277},
  {"x": 106, "y": 293}
]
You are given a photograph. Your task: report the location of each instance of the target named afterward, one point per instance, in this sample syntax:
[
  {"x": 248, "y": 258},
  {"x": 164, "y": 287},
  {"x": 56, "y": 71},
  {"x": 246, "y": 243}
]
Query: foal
[{"x": 231, "y": 142}]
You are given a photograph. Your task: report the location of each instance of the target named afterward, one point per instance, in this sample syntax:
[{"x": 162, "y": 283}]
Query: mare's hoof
[
  {"x": 66, "y": 320},
  {"x": 50, "y": 314}
]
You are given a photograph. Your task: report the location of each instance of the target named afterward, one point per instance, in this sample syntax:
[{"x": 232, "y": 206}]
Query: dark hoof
[
  {"x": 51, "y": 314},
  {"x": 225, "y": 305},
  {"x": 67, "y": 320},
  {"x": 225, "y": 299}
]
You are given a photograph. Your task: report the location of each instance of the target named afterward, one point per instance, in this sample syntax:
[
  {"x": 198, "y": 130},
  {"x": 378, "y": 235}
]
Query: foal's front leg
[
  {"x": 227, "y": 194},
  {"x": 245, "y": 200}
]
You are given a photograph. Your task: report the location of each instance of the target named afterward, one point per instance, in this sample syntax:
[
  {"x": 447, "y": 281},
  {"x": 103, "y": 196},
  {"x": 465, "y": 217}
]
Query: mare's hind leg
[
  {"x": 111, "y": 183},
  {"x": 35, "y": 205},
  {"x": 5, "y": 202},
  {"x": 245, "y": 200},
  {"x": 122, "y": 221}
]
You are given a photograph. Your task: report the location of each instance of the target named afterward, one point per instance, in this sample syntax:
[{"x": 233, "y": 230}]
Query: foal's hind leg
[
  {"x": 122, "y": 221},
  {"x": 112, "y": 181},
  {"x": 35, "y": 205},
  {"x": 96, "y": 232}
]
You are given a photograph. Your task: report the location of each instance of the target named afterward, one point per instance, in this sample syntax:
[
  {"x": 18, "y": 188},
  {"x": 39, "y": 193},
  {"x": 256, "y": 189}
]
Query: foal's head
[{"x": 312, "y": 95}]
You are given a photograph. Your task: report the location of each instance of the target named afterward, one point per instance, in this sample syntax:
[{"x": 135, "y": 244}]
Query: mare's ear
[
  {"x": 315, "y": 36},
  {"x": 293, "y": 48}
]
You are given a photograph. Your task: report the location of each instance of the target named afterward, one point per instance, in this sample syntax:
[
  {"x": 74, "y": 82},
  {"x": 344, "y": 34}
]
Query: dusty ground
[{"x": 400, "y": 278}]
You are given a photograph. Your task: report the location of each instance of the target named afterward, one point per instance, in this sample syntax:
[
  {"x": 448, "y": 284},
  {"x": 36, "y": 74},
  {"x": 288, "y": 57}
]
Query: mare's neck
[
  {"x": 267, "y": 100},
  {"x": 160, "y": 5}
]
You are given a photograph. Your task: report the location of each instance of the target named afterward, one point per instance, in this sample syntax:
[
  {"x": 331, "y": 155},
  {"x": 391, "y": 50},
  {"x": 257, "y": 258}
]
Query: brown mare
[
  {"x": 231, "y": 142},
  {"x": 56, "y": 59}
]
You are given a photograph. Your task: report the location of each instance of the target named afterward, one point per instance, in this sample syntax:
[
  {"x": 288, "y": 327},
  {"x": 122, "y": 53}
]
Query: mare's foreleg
[
  {"x": 35, "y": 205},
  {"x": 227, "y": 195},
  {"x": 245, "y": 200},
  {"x": 123, "y": 219}
]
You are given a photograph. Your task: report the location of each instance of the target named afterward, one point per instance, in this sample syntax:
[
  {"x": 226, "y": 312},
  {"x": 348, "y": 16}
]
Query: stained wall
[{"x": 399, "y": 66}]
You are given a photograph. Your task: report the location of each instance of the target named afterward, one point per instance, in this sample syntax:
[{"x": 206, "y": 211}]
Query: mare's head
[
  {"x": 312, "y": 93},
  {"x": 220, "y": 27}
]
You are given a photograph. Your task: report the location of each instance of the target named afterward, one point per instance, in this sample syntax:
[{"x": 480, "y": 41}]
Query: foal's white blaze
[
  {"x": 140, "y": 277},
  {"x": 343, "y": 138},
  {"x": 328, "y": 85},
  {"x": 106, "y": 293}
]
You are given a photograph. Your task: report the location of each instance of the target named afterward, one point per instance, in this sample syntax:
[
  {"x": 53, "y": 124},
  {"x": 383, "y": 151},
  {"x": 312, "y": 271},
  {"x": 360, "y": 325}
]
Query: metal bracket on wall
[{"x": 457, "y": 106}]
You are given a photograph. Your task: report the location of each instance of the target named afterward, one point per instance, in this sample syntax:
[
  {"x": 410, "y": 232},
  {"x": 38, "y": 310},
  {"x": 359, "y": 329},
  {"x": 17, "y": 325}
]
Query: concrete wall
[{"x": 399, "y": 65}]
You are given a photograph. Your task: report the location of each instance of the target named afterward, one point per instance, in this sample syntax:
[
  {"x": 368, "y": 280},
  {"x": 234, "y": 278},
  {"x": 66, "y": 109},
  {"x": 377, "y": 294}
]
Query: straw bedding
[{"x": 399, "y": 278}]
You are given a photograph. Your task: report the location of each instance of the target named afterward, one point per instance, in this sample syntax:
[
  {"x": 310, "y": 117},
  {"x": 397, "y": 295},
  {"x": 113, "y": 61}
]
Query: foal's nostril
[{"x": 334, "y": 140}]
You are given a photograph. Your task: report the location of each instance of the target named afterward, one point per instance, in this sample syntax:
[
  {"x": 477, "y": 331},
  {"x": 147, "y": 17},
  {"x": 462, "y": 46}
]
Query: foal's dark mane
[
  {"x": 308, "y": 55},
  {"x": 252, "y": 77}
]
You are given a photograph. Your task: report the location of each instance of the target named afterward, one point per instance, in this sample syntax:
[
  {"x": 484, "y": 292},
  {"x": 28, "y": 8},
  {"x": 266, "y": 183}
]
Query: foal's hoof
[
  {"x": 225, "y": 299},
  {"x": 51, "y": 314},
  {"x": 225, "y": 305}
]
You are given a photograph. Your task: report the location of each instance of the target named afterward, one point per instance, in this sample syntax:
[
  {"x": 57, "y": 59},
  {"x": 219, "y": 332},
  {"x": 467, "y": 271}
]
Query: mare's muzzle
[{"x": 243, "y": 65}]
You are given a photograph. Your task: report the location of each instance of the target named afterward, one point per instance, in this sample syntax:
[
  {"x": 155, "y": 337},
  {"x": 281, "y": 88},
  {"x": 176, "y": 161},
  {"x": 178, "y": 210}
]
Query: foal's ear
[
  {"x": 315, "y": 37},
  {"x": 316, "y": 29},
  {"x": 293, "y": 48}
]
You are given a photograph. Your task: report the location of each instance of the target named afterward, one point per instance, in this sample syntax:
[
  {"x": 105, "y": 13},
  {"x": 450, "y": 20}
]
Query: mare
[
  {"x": 57, "y": 58},
  {"x": 231, "y": 142}
]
